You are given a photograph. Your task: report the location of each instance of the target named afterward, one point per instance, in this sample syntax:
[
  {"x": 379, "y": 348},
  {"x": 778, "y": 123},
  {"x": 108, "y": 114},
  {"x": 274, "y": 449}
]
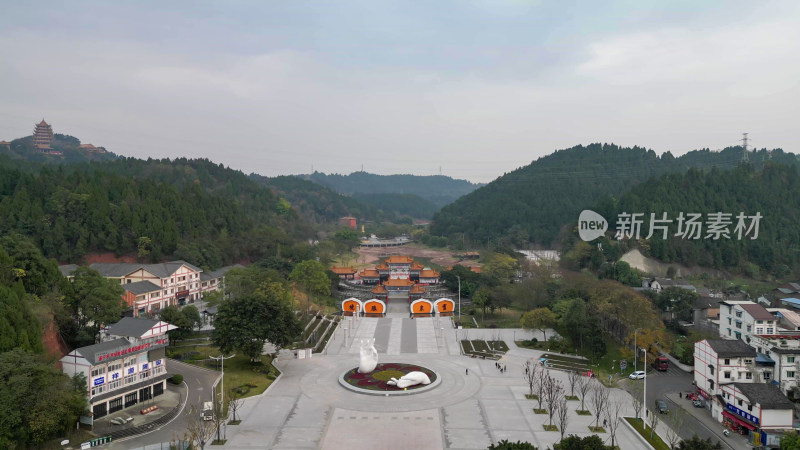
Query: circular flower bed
[{"x": 378, "y": 378}]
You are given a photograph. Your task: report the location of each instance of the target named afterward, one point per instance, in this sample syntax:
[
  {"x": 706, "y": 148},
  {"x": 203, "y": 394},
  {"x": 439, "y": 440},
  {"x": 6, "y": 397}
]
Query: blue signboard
[
  {"x": 100, "y": 380},
  {"x": 741, "y": 413}
]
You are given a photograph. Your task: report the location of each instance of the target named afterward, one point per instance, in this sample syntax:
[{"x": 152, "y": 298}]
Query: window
[
  {"x": 144, "y": 375},
  {"x": 98, "y": 371},
  {"x": 790, "y": 374},
  {"x": 767, "y": 375},
  {"x": 711, "y": 385},
  {"x": 739, "y": 324},
  {"x": 114, "y": 384},
  {"x": 130, "y": 379},
  {"x": 711, "y": 369},
  {"x": 97, "y": 390},
  {"x": 769, "y": 330},
  {"x": 749, "y": 328},
  {"x": 759, "y": 322},
  {"x": 739, "y": 402},
  {"x": 748, "y": 361},
  {"x": 729, "y": 331},
  {"x": 727, "y": 361},
  {"x": 727, "y": 375},
  {"x": 749, "y": 407},
  {"x": 748, "y": 376},
  {"x": 759, "y": 330},
  {"x": 154, "y": 295},
  {"x": 738, "y": 314},
  {"x": 790, "y": 359},
  {"x": 729, "y": 321}
]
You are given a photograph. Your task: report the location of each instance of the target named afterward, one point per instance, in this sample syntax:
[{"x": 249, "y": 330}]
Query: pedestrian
[
  {"x": 604, "y": 422},
  {"x": 680, "y": 394},
  {"x": 467, "y": 371}
]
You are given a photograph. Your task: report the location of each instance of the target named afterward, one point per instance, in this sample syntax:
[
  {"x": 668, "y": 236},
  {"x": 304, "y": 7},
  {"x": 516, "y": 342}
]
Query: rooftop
[
  {"x": 757, "y": 311},
  {"x": 768, "y": 396},
  {"x": 90, "y": 351},
  {"x": 788, "y": 314},
  {"x": 342, "y": 270},
  {"x": 369, "y": 273},
  {"x": 428, "y": 273},
  {"x": 398, "y": 282},
  {"x": 726, "y": 347},
  {"x": 141, "y": 287},
  {"x": 399, "y": 260},
  {"x": 131, "y": 327},
  {"x": 219, "y": 273}
]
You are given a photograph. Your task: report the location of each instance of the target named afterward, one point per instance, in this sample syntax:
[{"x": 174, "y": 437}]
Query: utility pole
[
  {"x": 644, "y": 391},
  {"x": 635, "y": 349},
  {"x": 459, "y": 298},
  {"x": 744, "y": 146}
]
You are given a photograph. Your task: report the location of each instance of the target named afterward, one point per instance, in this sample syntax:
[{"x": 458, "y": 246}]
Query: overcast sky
[{"x": 477, "y": 88}]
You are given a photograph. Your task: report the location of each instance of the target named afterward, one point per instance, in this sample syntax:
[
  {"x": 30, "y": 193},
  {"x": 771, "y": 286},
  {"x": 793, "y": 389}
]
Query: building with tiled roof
[
  {"x": 347, "y": 273},
  {"x": 399, "y": 260},
  {"x": 43, "y": 136}
]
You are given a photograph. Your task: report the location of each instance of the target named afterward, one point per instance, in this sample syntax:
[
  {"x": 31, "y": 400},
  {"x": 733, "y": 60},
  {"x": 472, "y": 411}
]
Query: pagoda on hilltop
[{"x": 43, "y": 136}]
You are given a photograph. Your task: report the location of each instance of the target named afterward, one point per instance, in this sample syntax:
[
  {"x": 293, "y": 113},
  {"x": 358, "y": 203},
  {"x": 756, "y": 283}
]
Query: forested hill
[
  {"x": 317, "y": 203},
  {"x": 68, "y": 148},
  {"x": 438, "y": 189},
  {"x": 774, "y": 192},
  {"x": 532, "y": 203},
  {"x": 189, "y": 209}
]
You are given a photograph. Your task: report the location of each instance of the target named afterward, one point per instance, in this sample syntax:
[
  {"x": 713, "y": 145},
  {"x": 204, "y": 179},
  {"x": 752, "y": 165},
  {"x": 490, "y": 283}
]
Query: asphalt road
[
  {"x": 199, "y": 382},
  {"x": 674, "y": 381}
]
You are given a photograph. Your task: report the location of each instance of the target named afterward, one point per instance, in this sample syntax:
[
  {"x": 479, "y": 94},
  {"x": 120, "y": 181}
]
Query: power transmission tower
[{"x": 744, "y": 147}]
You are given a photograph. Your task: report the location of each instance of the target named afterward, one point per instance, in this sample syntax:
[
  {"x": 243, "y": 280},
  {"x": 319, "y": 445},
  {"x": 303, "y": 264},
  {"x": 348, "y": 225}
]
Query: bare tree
[
  {"x": 235, "y": 401},
  {"x": 218, "y": 417},
  {"x": 613, "y": 418},
  {"x": 584, "y": 385},
  {"x": 530, "y": 372},
  {"x": 677, "y": 419},
  {"x": 599, "y": 400},
  {"x": 562, "y": 416},
  {"x": 541, "y": 385},
  {"x": 636, "y": 399},
  {"x": 572, "y": 379},
  {"x": 198, "y": 431},
  {"x": 553, "y": 392},
  {"x": 654, "y": 418}
]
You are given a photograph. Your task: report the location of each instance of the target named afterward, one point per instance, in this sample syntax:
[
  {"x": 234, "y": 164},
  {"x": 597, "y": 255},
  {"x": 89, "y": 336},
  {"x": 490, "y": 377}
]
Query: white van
[{"x": 208, "y": 411}]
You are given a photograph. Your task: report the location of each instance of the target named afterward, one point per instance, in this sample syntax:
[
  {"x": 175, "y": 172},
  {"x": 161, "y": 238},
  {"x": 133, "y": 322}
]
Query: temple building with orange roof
[
  {"x": 5, "y": 144},
  {"x": 345, "y": 273},
  {"x": 43, "y": 136},
  {"x": 397, "y": 275}
]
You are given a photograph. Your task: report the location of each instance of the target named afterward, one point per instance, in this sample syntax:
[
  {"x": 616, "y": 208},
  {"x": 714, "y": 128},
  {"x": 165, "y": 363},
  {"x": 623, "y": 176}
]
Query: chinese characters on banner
[{"x": 717, "y": 225}]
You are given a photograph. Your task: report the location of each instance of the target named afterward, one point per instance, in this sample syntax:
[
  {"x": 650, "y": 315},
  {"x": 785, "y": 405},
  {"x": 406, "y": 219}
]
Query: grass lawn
[
  {"x": 583, "y": 412},
  {"x": 550, "y": 427},
  {"x": 502, "y": 318},
  {"x": 539, "y": 411},
  {"x": 655, "y": 441},
  {"x": 532, "y": 396},
  {"x": 572, "y": 397},
  {"x": 498, "y": 345},
  {"x": 597, "y": 429},
  {"x": 253, "y": 379}
]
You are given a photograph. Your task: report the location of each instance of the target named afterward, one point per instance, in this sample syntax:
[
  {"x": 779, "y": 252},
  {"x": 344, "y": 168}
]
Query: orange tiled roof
[
  {"x": 428, "y": 273},
  {"x": 382, "y": 266},
  {"x": 342, "y": 270},
  {"x": 399, "y": 260},
  {"x": 417, "y": 289},
  {"x": 475, "y": 269},
  {"x": 398, "y": 282},
  {"x": 417, "y": 266},
  {"x": 369, "y": 273},
  {"x": 378, "y": 290}
]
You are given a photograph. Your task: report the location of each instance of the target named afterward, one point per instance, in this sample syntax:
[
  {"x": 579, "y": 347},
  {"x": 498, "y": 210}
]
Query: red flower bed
[{"x": 373, "y": 381}]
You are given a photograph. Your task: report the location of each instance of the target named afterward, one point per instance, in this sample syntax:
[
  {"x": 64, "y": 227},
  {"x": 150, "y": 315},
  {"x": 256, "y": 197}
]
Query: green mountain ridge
[{"x": 534, "y": 202}]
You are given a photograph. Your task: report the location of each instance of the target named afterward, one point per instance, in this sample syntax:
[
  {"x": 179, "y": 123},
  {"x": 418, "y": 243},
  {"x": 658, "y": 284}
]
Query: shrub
[{"x": 176, "y": 379}]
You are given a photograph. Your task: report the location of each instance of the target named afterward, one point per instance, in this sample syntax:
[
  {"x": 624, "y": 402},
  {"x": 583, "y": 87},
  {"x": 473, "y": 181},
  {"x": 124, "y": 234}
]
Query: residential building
[
  {"x": 787, "y": 319},
  {"x": 755, "y": 409},
  {"x": 126, "y": 368},
  {"x": 215, "y": 280},
  {"x": 784, "y": 350},
  {"x": 720, "y": 361},
  {"x": 659, "y": 284},
  {"x": 742, "y": 319},
  {"x": 788, "y": 290}
]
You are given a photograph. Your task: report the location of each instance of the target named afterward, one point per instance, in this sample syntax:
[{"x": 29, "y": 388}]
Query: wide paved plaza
[{"x": 306, "y": 408}]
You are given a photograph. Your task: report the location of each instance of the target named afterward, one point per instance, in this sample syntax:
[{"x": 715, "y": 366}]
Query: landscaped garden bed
[
  {"x": 378, "y": 379},
  {"x": 646, "y": 432}
]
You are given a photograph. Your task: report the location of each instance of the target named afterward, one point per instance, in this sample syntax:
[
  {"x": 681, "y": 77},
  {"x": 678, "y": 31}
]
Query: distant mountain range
[{"x": 436, "y": 189}]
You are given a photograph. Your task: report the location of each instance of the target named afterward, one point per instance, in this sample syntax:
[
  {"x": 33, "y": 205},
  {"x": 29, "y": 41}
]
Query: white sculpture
[
  {"x": 410, "y": 379},
  {"x": 369, "y": 356}
]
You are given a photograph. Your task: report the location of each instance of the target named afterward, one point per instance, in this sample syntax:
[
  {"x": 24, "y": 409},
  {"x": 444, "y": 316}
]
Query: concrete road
[
  {"x": 199, "y": 382},
  {"x": 667, "y": 385}
]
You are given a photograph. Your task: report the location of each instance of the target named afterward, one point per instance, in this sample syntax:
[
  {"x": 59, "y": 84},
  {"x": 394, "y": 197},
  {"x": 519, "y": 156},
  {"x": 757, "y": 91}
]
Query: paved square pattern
[{"x": 474, "y": 406}]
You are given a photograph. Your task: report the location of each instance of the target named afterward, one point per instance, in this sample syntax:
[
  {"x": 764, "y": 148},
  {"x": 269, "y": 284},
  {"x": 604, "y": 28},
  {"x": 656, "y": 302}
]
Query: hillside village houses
[{"x": 151, "y": 287}]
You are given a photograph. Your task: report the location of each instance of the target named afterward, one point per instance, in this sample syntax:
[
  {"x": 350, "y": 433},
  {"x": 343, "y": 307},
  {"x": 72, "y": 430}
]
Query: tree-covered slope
[
  {"x": 317, "y": 203},
  {"x": 438, "y": 189},
  {"x": 773, "y": 192},
  {"x": 532, "y": 203},
  {"x": 190, "y": 209},
  {"x": 69, "y": 147},
  {"x": 411, "y": 205}
]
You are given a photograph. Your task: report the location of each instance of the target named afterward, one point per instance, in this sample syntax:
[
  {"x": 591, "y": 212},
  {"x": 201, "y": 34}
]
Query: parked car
[
  {"x": 661, "y": 406},
  {"x": 638, "y": 375},
  {"x": 699, "y": 403}
]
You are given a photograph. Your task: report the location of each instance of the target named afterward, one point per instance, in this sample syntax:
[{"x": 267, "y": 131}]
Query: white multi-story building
[
  {"x": 152, "y": 287},
  {"x": 784, "y": 350},
  {"x": 127, "y": 368},
  {"x": 720, "y": 361},
  {"x": 742, "y": 319},
  {"x": 760, "y": 409}
]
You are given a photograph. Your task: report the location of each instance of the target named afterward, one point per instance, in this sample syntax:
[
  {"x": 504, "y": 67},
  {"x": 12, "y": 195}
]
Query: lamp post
[
  {"x": 635, "y": 349},
  {"x": 459, "y": 298},
  {"x": 644, "y": 390},
  {"x": 222, "y": 358}
]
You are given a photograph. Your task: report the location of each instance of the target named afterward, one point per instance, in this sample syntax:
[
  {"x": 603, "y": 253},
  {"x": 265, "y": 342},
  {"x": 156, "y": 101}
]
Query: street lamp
[
  {"x": 459, "y": 298},
  {"x": 644, "y": 390},
  {"x": 635, "y": 352},
  {"x": 222, "y": 358}
]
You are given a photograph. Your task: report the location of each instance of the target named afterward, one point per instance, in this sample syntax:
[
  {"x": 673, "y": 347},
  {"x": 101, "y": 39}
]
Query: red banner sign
[{"x": 133, "y": 349}]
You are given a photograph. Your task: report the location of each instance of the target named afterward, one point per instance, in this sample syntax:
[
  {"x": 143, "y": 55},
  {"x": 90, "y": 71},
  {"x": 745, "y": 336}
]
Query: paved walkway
[
  {"x": 703, "y": 415},
  {"x": 307, "y": 409}
]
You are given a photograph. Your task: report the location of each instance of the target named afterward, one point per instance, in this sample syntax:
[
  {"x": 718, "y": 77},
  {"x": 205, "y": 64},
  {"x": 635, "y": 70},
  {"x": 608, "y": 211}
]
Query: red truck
[{"x": 661, "y": 364}]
